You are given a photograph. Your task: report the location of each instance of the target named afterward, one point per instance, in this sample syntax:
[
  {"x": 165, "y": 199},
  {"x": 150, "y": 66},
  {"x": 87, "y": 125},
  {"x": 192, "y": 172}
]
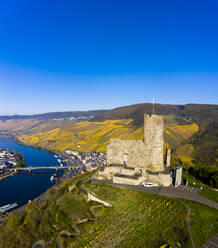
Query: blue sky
[{"x": 94, "y": 54}]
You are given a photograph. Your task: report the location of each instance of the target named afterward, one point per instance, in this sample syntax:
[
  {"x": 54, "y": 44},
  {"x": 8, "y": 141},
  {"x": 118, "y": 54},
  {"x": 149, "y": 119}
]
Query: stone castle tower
[
  {"x": 135, "y": 161},
  {"x": 153, "y": 139},
  {"x": 147, "y": 155}
]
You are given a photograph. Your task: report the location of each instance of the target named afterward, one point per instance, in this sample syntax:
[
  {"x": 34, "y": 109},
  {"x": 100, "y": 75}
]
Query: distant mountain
[
  {"x": 200, "y": 113},
  {"x": 55, "y": 115}
]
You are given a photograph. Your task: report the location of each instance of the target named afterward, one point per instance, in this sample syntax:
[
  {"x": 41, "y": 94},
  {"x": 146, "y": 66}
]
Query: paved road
[
  {"x": 183, "y": 192},
  {"x": 212, "y": 243}
]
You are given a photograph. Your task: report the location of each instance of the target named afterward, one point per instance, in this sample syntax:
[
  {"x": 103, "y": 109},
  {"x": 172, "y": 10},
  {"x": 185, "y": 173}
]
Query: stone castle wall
[
  {"x": 139, "y": 154},
  {"x": 145, "y": 157},
  {"x": 153, "y": 139},
  {"x": 121, "y": 180},
  {"x": 160, "y": 179}
]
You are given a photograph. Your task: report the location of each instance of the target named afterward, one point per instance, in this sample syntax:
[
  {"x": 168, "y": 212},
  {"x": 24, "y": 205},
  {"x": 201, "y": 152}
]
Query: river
[{"x": 22, "y": 188}]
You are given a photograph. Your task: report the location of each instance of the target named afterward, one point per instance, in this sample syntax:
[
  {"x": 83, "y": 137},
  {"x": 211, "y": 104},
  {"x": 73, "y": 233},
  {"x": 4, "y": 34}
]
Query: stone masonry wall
[
  {"x": 160, "y": 179},
  {"x": 122, "y": 180},
  {"x": 137, "y": 152},
  {"x": 153, "y": 140}
]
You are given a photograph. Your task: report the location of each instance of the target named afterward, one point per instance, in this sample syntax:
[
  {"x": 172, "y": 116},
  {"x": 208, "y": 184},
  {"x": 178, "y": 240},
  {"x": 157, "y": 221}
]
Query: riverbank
[
  {"x": 21, "y": 142},
  {"x": 6, "y": 175},
  {"x": 22, "y": 187},
  {"x": 10, "y": 159}
]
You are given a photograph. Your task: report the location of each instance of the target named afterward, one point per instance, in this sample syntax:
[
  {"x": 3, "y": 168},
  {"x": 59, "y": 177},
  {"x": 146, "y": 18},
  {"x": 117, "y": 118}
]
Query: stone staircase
[{"x": 128, "y": 176}]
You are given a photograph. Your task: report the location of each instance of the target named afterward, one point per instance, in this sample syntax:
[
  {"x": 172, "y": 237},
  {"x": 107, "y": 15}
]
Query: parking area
[
  {"x": 189, "y": 193},
  {"x": 182, "y": 191},
  {"x": 189, "y": 189},
  {"x": 212, "y": 243}
]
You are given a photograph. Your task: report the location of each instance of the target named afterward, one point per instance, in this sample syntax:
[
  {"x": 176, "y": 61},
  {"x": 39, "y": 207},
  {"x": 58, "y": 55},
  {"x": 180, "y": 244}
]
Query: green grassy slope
[
  {"x": 136, "y": 219},
  {"x": 203, "y": 222}
]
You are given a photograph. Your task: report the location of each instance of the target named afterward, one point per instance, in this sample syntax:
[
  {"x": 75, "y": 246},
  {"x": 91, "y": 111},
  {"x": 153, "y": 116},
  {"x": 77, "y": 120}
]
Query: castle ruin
[{"x": 135, "y": 161}]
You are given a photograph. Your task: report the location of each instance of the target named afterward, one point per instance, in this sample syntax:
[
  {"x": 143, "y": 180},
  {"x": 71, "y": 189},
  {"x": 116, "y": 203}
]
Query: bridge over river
[{"x": 30, "y": 168}]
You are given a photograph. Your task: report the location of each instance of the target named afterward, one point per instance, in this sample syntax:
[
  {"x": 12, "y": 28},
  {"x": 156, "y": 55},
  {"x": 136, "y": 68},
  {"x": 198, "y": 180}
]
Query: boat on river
[
  {"x": 8, "y": 207},
  {"x": 55, "y": 178}
]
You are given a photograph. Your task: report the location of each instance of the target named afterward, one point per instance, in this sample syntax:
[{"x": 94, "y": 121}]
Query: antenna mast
[{"x": 153, "y": 106}]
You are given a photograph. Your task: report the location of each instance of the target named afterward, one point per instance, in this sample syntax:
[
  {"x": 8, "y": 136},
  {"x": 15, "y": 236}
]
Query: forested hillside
[{"x": 200, "y": 113}]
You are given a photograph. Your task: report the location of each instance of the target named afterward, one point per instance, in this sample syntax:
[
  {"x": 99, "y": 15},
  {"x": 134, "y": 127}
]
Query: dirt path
[
  {"x": 188, "y": 223},
  {"x": 41, "y": 243}
]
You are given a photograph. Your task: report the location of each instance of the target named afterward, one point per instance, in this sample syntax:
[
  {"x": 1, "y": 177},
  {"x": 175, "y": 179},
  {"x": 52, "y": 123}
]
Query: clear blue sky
[{"x": 95, "y": 54}]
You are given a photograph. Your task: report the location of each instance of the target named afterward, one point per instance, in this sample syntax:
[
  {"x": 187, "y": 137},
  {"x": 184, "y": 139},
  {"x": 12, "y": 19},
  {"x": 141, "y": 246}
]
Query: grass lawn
[{"x": 204, "y": 222}]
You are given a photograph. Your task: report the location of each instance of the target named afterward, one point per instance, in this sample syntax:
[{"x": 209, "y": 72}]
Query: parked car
[{"x": 149, "y": 184}]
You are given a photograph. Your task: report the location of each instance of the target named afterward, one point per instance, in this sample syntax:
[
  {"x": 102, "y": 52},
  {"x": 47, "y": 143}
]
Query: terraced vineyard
[
  {"x": 84, "y": 136},
  {"x": 90, "y": 136},
  {"x": 135, "y": 219}
]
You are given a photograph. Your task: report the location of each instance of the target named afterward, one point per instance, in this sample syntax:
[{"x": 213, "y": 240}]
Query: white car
[{"x": 149, "y": 184}]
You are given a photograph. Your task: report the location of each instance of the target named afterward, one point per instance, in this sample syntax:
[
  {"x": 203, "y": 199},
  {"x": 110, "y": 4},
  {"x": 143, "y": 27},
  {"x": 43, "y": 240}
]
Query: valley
[{"x": 67, "y": 217}]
